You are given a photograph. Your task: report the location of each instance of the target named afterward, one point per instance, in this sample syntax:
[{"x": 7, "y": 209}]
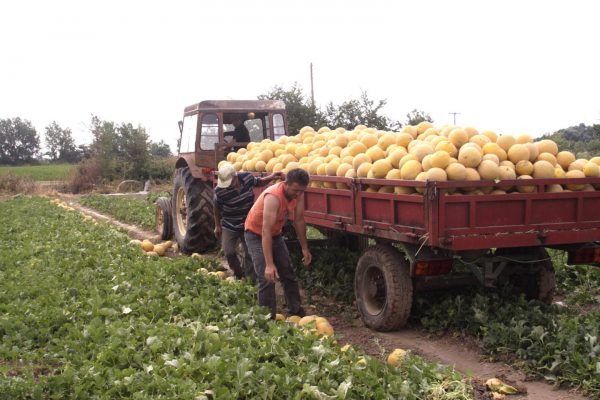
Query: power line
[{"x": 454, "y": 114}]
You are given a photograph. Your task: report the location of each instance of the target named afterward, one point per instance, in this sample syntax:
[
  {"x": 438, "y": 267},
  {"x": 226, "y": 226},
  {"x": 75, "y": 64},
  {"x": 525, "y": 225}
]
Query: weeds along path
[{"x": 456, "y": 352}]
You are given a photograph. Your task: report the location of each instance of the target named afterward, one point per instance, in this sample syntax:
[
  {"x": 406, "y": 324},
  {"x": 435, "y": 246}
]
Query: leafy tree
[
  {"x": 19, "y": 141},
  {"x": 160, "y": 149},
  {"x": 60, "y": 143},
  {"x": 300, "y": 110},
  {"x": 359, "y": 111},
  {"x": 417, "y": 116}
]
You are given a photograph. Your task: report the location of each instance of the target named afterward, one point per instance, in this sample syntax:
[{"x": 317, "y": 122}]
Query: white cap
[{"x": 225, "y": 175}]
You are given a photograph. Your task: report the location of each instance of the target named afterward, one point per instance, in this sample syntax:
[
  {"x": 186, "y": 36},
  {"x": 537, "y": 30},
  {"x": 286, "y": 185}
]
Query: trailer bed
[{"x": 458, "y": 223}]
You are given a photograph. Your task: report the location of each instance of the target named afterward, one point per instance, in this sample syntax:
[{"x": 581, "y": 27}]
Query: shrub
[{"x": 17, "y": 184}]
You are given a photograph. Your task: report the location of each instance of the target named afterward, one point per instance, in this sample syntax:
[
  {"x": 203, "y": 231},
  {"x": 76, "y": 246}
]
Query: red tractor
[{"x": 208, "y": 133}]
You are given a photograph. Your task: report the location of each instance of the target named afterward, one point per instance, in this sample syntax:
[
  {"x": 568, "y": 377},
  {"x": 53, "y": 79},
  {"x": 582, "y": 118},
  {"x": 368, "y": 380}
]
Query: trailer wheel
[
  {"x": 164, "y": 218},
  {"x": 383, "y": 288},
  {"x": 193, "y": 221},
  {"x": 537, "y": 285}
]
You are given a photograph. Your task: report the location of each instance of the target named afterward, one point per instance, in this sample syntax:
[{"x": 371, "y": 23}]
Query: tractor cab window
[
  {"x": 278, "y": 126},
  {"x": 209, "y": 133},
  {"x": 244, "y": 127},
  {"x": 188, "y": 134}
]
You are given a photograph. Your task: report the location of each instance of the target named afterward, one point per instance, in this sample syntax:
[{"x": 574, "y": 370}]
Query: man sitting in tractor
[
  {"x": 233, "y": 199},
  {"x": 278, "y": 203}
]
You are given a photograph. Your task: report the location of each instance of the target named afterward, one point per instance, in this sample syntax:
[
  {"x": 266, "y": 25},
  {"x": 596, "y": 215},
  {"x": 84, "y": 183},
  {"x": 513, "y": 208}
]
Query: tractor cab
[{"x": 211, "y": 129}]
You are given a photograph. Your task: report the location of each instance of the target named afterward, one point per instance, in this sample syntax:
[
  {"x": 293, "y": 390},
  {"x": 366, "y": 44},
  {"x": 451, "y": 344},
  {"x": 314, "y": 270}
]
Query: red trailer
[
  {"x": 408, "y": 242},
  {"x": 416, "y": 239}
]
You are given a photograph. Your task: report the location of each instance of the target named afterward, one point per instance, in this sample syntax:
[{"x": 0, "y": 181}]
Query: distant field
[{"x": 46, "y": 172}]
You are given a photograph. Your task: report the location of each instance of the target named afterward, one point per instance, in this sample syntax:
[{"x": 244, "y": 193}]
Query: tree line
[{"x": 21, "y": 144}]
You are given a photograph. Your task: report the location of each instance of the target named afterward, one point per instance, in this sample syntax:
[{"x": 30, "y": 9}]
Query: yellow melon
[
  {"x": 369, "y": 140},
  {"x": 456, "y": 172},
  {"x": 507, "y": 163},
  {"x": 575, "y": 174},
  {"x": 440, "y": 159},
  {"x": 471, "y": 131},
  {"x": 342, "y": 169},
  {"x": 380, "y": 168},
  {"x": 458, "y": 137},
  {"x": 446, "y": 146},
  {"x": 411, "y": 169},
  {"x": 469, "y": 157},
  {"x": 357, "y": 148},
  {"x": 525, "y": 188},
  {"x": 411, "y": 130},
  {"x": 480, "y": 140},
  {"x": 547, "y": 157},
  {"x": 426, "y": 162},
  {"x": 491, "y": 135},
  {"x": 332, "y": 167},
  {"x": 595, "y": 160},
  {"x": 506, "y": 173},
  {"x": 554, "y": 188},
  {"x": 494, "y": 148},
  {"x": 565, "y": 158},
  {"x": 423, "y": 126},
  {"x": 404, "y": 139},
  {"x": 386, "y": 189},
  {"x": 396, "y": 357},
  {"x": 375, "y": 153},
  {"x": 436, "y": 174},
  {"x": 559, "y": 172},
  {"x": 498, "y": 191},
  {"x": 147, "y": 245},
  {"x": 471, "y": 175},
  {"x": 591, "y": 170},
  {"x": 547, "y": 146},
  {"x": 524, "y": 138},
  {"x": 576, "y": 165},
  {"x": 260, "y": 166},
  {"x": 524, "y": 168},
  {"x": 360, "y": 159},
  {"x": 491, "y": 157},
  {"x": 406, "y": 158},
  {"x": 543, "y": 170},
  {"x": 404, "y": 190},
  {"x": 422, "y": 176},
  {"x": 421, "y": 150},
  {"x": 322, "y": 169},
  {"x": 386, "y": 140},
  {"x": 518, "y": 152},
  {"x": 506, "y": 142},
  {"x": 394, "y": 174},
  {"x": 363, "y": 169},
  {"x": 533, "y": 151},
  {"x": 395, "y": 156},
  {"x": 488, "y": 170}
]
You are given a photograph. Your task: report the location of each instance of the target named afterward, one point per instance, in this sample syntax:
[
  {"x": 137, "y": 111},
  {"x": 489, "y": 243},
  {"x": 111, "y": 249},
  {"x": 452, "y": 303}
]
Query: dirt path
[{"x": 460, "y": 353}]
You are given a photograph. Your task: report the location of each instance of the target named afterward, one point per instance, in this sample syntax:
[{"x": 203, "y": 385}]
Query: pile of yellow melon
[{"x": 419, "y": 153}]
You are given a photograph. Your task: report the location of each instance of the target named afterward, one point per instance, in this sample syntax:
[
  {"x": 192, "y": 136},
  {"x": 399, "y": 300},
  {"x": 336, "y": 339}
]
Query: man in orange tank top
[{"x": 264, "y": 224}]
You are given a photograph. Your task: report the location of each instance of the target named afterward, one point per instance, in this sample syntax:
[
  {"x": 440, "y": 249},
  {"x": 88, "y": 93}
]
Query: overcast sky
[{"x": 509, "y": 66}]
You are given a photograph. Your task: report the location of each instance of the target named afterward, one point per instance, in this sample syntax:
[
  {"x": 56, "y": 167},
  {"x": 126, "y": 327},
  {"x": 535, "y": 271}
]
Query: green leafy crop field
[
  {"x": 45, "y": 172},
  {"x": 83, "y": 314},
  {"x": 130, "y": 210}
]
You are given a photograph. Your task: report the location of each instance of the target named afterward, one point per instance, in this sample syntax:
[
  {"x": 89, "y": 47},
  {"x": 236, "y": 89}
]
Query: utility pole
[
  {"x": 312, "y": 87},
  {"x": 454, "y": 114}
]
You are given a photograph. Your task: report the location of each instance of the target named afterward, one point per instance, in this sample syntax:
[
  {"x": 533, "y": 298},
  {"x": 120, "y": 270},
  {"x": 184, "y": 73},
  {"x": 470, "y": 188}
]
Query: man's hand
[
  {"x": 306, "y": 257},
  {"x": 279, "y": 175},
  {"x": 218, "y": 231},
  {"x": 271, "y": 274}
]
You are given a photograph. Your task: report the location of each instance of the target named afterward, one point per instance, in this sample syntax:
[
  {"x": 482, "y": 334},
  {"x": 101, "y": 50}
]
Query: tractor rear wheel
[
  {"x": 193, "y": 221},
  {"x": 164, "y": 218},
  {"x": 383, "y": 288}
]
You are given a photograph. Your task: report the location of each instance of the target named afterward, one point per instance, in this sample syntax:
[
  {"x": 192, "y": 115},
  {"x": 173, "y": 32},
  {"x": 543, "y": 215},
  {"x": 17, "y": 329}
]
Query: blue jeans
[{"x": 287, "y": 277}]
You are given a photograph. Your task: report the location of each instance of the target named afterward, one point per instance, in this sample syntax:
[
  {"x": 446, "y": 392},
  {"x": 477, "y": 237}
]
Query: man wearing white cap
[{"x": 233, "y": 199}]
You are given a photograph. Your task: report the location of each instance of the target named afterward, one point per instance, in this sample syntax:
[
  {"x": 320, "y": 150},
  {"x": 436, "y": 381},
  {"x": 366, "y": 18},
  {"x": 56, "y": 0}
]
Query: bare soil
[{"x": 461, "y": 353}]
